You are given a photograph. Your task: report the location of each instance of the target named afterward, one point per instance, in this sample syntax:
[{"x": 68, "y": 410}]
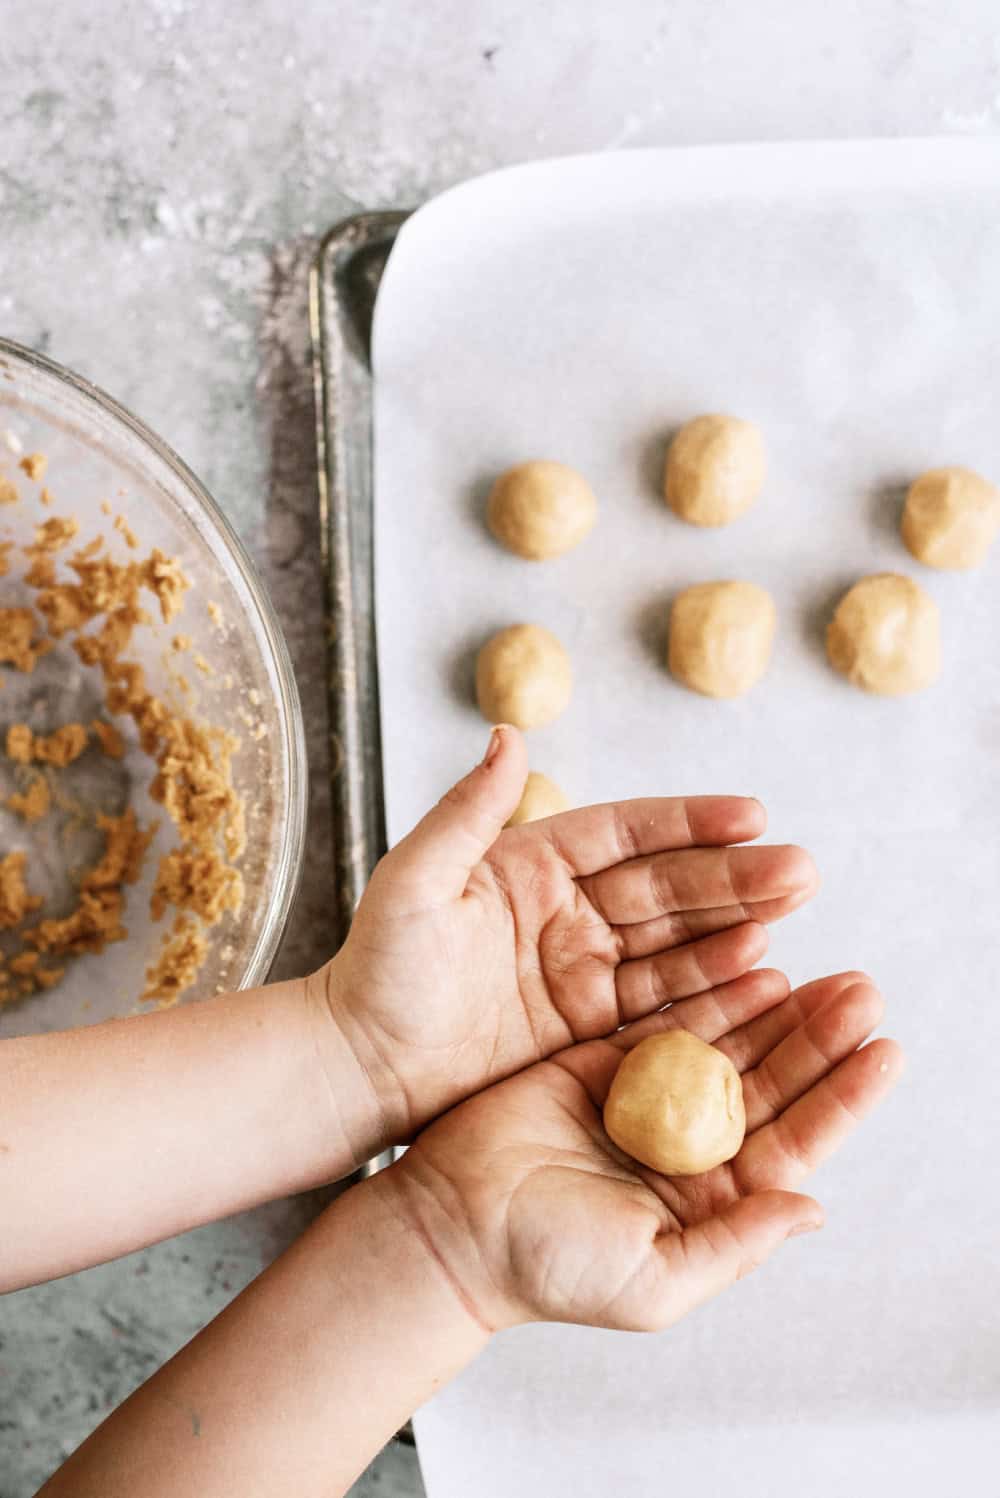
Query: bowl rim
[{"x": 288, "y": 869}]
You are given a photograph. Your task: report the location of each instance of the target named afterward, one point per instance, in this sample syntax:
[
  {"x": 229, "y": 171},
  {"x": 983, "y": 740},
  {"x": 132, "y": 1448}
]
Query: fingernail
[
  {"x": 493, "y": 747},
  {"x": 803, "y": 1227}
]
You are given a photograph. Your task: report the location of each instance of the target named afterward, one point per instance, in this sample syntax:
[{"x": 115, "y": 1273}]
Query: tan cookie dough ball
[
  {"x": 541, "y": 509},
  {"x": 885, "y": 635},
  {"x": 676, "y": 1104},
  {"x": 715, "y": 469},
  {"x": 541, "y": 798},
  {"x": 721, "y": 636},
  {"x": 951, "y": 517},
  {"x": 523, "y": 676}
]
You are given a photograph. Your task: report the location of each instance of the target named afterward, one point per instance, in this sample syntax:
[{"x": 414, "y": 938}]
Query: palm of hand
[
  {"x": 568, "y": 1228},
  {"x": 489, "y": 979},
  {"x": 560, "y": 932}
]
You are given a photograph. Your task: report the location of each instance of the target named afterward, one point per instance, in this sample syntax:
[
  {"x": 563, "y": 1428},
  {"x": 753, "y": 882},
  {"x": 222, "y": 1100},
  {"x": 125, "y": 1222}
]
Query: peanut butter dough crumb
[
  {"x": 61, "y": 747},
  {"x": 214, "y": 611},
  {"x": 181, "y": 642},
  {"x": 34, "y": 465},
  {"x": 53, "y": 534},
  {"x": 125, "y": 844},
  {"x": 33, "y": 803},
  {"x": 48, "y": 977},
  {"x": 194, "y": 784},
  {"x": 193, "y": 780},
  {"x": 126, "y": 532},
  {"x": 94, "y": 923},
  {"x": 15, "y": 902},
  {"x": 167, "y": 581},
  {"x": 19, "y": 645},
  {"x": 5, "y": 550},
  {"x": 199, "y": 880},
  {"x": 8, "y": 492},
  {"x": 46, "y": 497},
  {"x": 20, "y": 743},
  {"x": 178, "y": 964},
  {"x": 105, "y": 507},
  {"x": 109, "y": 738}
]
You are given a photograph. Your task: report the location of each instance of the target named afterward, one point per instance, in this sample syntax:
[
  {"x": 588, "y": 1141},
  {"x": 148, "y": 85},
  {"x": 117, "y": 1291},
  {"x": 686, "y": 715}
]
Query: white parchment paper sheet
[{"x": 846, "y": 297}]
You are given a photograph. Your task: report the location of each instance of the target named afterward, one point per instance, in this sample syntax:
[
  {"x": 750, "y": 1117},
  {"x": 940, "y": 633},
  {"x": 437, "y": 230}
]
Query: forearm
[
  {"x": 297, "y": 1385},
  {"x": 123, "y": 1133}
]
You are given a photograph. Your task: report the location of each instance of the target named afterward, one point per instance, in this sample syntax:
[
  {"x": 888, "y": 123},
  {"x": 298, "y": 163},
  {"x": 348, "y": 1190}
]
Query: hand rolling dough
[
  {"x": 541, "y": 509},
  {"x": 885, "y": 635},
  {"x": 951, "y": 518},
  {"x": 721, "y": 636},
  {"x": 523, "y": 676},
  {"x": 541, "y": 798},
  {"x": 715, "y": 469},
  {"x": 676, "y": 1105}
]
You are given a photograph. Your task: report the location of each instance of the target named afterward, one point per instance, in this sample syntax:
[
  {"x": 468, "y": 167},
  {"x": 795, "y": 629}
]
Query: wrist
[
  {"x": 412, "y": 1237},
  {"x": 454, "y": 1237},
  {"x": 380, "y": 1115}
]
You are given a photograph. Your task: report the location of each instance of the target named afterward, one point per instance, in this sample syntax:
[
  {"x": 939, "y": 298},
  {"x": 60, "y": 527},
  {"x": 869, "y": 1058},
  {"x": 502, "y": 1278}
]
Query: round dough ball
[
  {"x": 676, "y": 1104},
  {"x": 715, "y": 469},
  {"x": 541, "y": 509},
  {"x": 885, "y": 635},
  {"x": 541, "y": 798},
  {"x": 523, "y": 676},
  {"x": 951, "y": 517},
  {"x": 721, "y": 636}
]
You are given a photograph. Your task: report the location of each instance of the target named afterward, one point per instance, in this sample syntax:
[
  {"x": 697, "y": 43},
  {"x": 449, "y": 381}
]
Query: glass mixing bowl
[{"x": 232, "y": 672}]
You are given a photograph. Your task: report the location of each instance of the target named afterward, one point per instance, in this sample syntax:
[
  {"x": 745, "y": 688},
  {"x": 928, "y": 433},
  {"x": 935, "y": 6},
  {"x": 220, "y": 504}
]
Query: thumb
[
  {"x": 704, "y": 1260},
  {"x": 443, "y": 849}
]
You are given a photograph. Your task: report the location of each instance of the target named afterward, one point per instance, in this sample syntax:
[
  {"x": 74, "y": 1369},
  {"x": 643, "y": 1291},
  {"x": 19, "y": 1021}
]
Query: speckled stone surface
[{"x": 165, "y": 171}]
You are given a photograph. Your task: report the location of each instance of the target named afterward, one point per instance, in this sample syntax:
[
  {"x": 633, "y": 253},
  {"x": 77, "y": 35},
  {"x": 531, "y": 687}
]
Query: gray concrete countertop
[{"x": 165, "y": 171}]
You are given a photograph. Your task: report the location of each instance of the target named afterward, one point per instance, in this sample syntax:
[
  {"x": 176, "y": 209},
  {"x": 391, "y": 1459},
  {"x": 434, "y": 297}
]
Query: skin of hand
[
  {"x": 514, "y": 1207},
  {"x": 534, "y": 1214},
  {"x": 477, "y": 951}
]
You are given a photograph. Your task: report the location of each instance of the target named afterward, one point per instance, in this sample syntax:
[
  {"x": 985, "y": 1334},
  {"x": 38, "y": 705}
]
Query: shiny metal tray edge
[{"x": 343, "y": 284}]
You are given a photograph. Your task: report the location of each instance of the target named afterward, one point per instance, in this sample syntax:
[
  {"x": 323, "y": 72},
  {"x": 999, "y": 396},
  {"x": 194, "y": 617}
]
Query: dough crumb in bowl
[
  {"x": 178, "y": 964},
  {"x": 15, "y": 901},
  {"x": 34, "y": 465},
  {"x": 96, "y": 605},
  {"x": 33, "y": 802}
]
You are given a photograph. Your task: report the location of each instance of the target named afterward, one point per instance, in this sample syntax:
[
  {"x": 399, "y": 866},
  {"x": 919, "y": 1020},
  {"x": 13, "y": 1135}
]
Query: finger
[
  {"x": 437, "y": 857},
  {"x": 801, "y": 1060},
  {"x": 596, "y": 837},
  {"x": 646, "y": 937},
  {"x": 691, "y": 879},
  {"x": 714, "y": 1014},
  {"x": 784, "y": 1152},
  {"x": 748, "y": 1045},
  {"x": 648, "y": 983},
  {"x": 704, "y": 1260}
]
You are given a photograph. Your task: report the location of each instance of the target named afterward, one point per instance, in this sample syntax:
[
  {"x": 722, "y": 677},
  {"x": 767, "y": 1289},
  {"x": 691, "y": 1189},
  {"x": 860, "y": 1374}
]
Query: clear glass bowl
[{"x": 236, "y": 676}]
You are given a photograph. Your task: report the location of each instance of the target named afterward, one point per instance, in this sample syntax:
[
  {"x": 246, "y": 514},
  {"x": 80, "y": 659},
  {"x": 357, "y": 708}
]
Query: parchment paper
[{"x": 846, "y": 297}]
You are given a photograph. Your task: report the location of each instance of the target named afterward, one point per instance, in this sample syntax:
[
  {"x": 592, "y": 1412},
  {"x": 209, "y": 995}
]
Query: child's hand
[
  {"x": 535, "y": 1215},
  {"x": 477, "y": 951}
]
